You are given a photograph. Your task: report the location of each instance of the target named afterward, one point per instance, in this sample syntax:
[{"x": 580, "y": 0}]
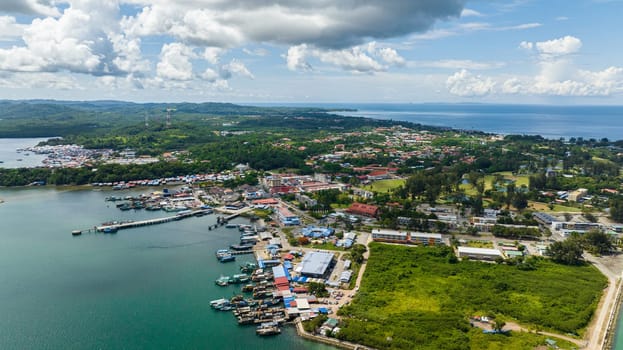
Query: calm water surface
[
  {"x": 142, "y": 288},
  {"x": 9, "y": 155}
]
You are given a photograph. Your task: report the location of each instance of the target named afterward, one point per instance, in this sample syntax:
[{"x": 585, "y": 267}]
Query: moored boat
[
  {"x": 227, "y": 258},
  {"x": 222, "y": 281},
  {"x": 268, "y": 328}
]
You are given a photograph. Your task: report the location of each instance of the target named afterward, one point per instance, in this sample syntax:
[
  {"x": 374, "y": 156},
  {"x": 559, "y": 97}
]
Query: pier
[{"x": 113, "y": 227}]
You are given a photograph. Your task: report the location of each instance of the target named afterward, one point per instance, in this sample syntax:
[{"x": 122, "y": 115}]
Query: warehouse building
[
  {"x": 479, "y": 253},
  {"x": 316, "y": 264}
]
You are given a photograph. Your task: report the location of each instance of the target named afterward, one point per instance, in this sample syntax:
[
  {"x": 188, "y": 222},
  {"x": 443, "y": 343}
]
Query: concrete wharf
[{"x": 132, "y": 224}]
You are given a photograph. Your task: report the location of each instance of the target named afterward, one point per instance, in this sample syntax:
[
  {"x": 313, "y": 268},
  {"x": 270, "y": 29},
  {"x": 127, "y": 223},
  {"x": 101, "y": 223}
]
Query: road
[{"x": 597, "y": 330}]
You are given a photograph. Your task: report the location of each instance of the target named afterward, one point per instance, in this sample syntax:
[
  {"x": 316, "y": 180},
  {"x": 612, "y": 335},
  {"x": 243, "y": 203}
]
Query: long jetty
[{"x": 132, "y": 224}]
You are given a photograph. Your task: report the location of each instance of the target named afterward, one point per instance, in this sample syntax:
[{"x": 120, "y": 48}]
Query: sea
[
  {"x": 141, "y": 288},
  {"x": 150, "y": 287},
  {"x": 552, "y": 122}
]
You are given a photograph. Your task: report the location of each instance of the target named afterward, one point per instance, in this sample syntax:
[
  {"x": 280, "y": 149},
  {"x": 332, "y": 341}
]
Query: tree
[
  {"x": 498, "y": 325},
  {"x": 520, "y": 201},
  {"x": 616, "y": 209},
  {"x": 597, "y": 242},
  {"x": 357, "y": 251},
  {"x": 318, "y": 289},
  {"x": 568, "y": 252}
]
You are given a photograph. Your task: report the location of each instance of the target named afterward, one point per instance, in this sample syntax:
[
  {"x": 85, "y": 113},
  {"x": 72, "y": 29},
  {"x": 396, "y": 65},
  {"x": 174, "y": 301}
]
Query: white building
[{"x": 479, "y": 253}]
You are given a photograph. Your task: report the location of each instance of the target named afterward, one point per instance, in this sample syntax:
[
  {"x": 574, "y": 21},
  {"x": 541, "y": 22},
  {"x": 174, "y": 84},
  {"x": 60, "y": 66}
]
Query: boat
[
  {"x": 76, "y": 233},
  {"x": 219, "y": 302},
  {"x": 222, "y": 281},
  {"x": 268, "y": 328},
  {"x": 247, "y": 288},
  {"x": 241, "y": 278},
  {"x": 222, "y": 252},
  {"x": 227, "y": 258},
  {"x": 231, "y": 226},
  {"x": 125, "y": 206},
  {"x": 110, "y": 229},
  {"x": 239, "y": 247},
  {"x": 248, "y": 267}
]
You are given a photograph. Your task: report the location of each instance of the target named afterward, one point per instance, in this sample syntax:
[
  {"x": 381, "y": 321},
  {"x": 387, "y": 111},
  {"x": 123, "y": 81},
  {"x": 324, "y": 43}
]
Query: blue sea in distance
[{"x": 551, "y": 122}]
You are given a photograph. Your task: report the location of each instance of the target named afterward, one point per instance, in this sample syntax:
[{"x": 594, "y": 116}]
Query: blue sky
[{"x": 523, "y": 51}]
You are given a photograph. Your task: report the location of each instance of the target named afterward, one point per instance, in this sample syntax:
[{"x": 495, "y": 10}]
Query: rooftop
[{"x": 316, "y": 263}]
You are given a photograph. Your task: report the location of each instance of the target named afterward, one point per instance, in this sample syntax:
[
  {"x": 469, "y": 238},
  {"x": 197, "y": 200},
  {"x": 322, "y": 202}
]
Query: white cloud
[
  {"x": 512, "y": 86},
  {"x": 559, "y": 76},
  {"x": 526, "y": 45},
  {"x": 261, "y": 52},
  {"x": 562, "y": 18},
  {"x": 84, "y": 39},
  {"x": 296, "y": 58},
  {"x": 457, "y": 64},
  {"x": 559, "y": 47},
  {"x": 210, "y": 75},
  {"x": 358, "y": 59},
  {"x": 213, "y": 54},
  {"x": 386, "y": 54},
  {"x": 235, "y": 68},
  {"x": 10, "y": 29},
  {"x": 465, "y": 84},
  {"x": 354, "y": 59},
  {"x": 175, "y": 62},
  {"x": 470, "y": 13}
]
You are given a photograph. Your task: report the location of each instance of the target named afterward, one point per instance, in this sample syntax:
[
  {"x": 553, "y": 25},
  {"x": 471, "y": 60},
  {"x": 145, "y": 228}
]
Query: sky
[{"x": 300, "y": 51}]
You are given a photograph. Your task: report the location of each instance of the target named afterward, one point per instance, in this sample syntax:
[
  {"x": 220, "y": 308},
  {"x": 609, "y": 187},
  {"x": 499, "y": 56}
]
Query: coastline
[
  {"x": 326, "y": 340},
  {"x": 603, "y": 327},
  {"x": 613, "y": 320}
]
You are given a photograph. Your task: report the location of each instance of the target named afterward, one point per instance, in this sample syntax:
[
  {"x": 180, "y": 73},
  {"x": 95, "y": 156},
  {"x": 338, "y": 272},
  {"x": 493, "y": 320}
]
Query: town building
[
  {"x": 316, "y": 264},
  {"x": 363, "y": 209},
  {"x": 287, "y": 218},
  {"x": 317, "y": 232},
  {"x": 576, "y": 196},
  {"x": 425, "y": 238},
  {"x": 479, "y": 253},
  {"x": 391, "y": 236}
]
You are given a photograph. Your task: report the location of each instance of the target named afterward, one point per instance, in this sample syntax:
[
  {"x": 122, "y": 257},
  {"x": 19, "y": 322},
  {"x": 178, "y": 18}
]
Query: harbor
[{"x": 112, "y": 291}]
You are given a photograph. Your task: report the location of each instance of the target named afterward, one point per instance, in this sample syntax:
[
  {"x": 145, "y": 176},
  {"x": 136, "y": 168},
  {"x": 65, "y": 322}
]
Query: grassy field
[
  {"x": 557, "y": 208},
  {"x": 416, "y": 298},
  {"x": 520, "y": 180},
  {"x": 385, "y": 185}
]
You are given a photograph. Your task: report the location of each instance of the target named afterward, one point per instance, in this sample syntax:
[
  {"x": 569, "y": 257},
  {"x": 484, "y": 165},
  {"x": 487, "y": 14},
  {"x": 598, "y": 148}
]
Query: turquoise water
[{"x": 142, "y": 288}]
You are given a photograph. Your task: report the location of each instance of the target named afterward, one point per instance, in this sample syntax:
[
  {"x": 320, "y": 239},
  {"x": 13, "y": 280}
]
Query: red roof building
[
  {"x": 363, "y": 209},
  {"x": 267, "y": 201}
]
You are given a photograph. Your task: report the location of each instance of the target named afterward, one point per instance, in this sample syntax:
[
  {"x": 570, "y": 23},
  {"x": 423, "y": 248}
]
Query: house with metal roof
[
  {"x": 317, "y": 264},
  {"x": 479, "y": 253}
]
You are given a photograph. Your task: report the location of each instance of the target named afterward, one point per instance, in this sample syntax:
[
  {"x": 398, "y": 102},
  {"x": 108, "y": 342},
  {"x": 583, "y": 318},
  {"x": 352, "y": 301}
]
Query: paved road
[{"x": 597, "y": 330}]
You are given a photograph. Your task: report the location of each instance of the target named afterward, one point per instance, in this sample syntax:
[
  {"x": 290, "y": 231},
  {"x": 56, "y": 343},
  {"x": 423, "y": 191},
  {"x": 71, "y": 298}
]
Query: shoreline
[
  {"x": 300, "y": 331},
  {"x": 613, "y": 320}
]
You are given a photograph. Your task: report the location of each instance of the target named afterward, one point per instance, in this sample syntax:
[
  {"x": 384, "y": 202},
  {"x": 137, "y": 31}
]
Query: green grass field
[
  {"x": 385, "y": 185},
  {"x": 415, "y": 298},
  {"x": 520, "y": 180}
]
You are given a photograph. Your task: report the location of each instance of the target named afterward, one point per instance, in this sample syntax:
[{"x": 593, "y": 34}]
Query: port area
[{"x": 277, "y": 288}]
